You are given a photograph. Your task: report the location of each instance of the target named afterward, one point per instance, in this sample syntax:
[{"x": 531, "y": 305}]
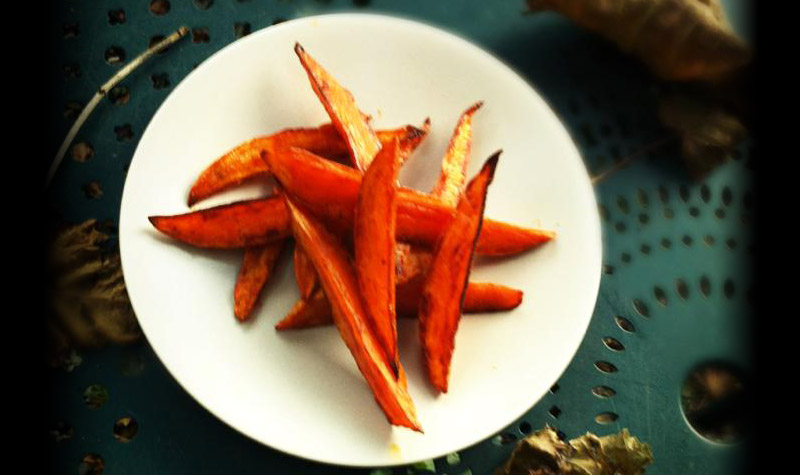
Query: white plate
[{"x": 301, "y": 392}]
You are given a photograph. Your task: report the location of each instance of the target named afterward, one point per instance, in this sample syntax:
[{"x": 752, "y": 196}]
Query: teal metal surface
[{"x": 677, "y": 253}]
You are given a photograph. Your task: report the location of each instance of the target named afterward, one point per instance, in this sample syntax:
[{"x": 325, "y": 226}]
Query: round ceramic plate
[{"x": 301, "y": 392}]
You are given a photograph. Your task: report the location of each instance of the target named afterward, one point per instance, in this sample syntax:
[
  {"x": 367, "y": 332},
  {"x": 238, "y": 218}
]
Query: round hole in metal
[
  {"x": 605, "y": 367},
  {"x": 727, "y": 196},
  {"x": 603, "y": 391},
  {"x": 624, "y": 324},
  {"x": 660, "y": 295},
  {"x": 705, "y": 286},
  {"x": 119, "y": 95},
  {"x": 622, "y": 204},
  {"x": 663, "y": 194},
  {"x": 125, "y": 429},
  {"x": 91, "y": 464},
  {"x": 95, "y": 396},
  {"x": 159, "y": 7},
  {"x": 714, "y": 400},
  {"x": 682, "y": 289},
  {"x": 82, "y": 152},
  {"x": 114, "y": 55},
  {"x": 606, "y": 418},
  {"x": 683, "y": 192},
  {"x": 728, "y": 289},
  {"x": 613, "y": 344},
  {"x": 705, "y": 193},
  {"x": 641, "y": 308}
]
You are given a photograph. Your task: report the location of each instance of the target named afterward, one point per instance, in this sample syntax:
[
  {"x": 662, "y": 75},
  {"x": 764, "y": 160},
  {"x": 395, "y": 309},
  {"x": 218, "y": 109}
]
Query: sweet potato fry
[
  {"x": 445, "y": 285},
  {"x": 260, "y": 221},
  {"x": 374, "y": 242},
  {"x": 480, "y": 298},
  {"x": 304, "y": 273},
  {"x": 331, "y": 190},
  {"x": 307, "y": 313},
  {"x": 454, "y": 165},
  {"x": 338, "y": 280},
  {"x": 256, "y": 268},
  {"x": 235, "y": 225},
  {"x": 341, "y": 107},
  {"x": 244, "y": 162}
]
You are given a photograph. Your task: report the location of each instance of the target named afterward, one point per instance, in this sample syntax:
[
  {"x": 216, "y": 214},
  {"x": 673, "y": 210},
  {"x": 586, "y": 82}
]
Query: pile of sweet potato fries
[{"x": 366, "y": 249}]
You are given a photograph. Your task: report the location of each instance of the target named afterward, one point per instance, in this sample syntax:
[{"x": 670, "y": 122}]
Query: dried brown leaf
[
  {"x": 708, "y": 132},
  {"x": 679, "y": 40},
  {"x": 89, "y": 304},
  {"x": 543, "y": 453}
]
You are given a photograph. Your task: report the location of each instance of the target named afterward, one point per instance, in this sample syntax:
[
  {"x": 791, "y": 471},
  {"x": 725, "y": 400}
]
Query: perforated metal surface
[{"x": 676, "y": 253}]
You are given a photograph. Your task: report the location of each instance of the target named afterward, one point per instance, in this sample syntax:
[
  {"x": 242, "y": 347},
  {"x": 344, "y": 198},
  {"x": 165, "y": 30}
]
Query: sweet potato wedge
[
  {"x": 241, "y": 224},
  {"x": 454, "y": 165},
  {"x": 311, "y": 312},
  {"x": 338, "y": 280},
  {"x": 375, "y": 246},
  {"x": 244, "y": 162},
  {"x": 304, "y": 273},
  {"x": 331, "y": 190},
  {"x": 445, "y": 284},
  {"x": 256, "y": 268},
  {"x": 265, "y": 220},
  {"x": 361, "y": 141},
  {"x": 480, "y": 298}
]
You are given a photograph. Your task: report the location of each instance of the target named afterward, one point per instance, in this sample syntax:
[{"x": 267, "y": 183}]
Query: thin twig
[
  {"x": 101, "y": 93},
  {"x": 630, "y": 159}
]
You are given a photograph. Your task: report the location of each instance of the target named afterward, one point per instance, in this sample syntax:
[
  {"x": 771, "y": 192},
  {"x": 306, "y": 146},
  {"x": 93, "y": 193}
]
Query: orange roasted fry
[
  {"x": 331, "y": 190},
  {"x": 480, "y": 298},
  {"x": 374, "y": 242},
  {"x": 304, "y": 273},
  {"x": 244, "y": 162},
  {"x": 235, "y": 225},
  {"x": 445, "y": 284},
  {"x": 256, "y": 268},
  {"x": 307, "y": 313},
  {"x": 361, "y": 141},
  {"x": 454, "y": 165},
  {"x": 265, "y": 220},
  {"x": 338, "y": 280}
]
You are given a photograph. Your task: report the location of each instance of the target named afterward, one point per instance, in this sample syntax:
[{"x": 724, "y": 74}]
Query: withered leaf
[
  {"x": 708, "y": 132},
  {"x": 543, "y": 453},
  {"x": 89, "y": 304},
  {"x": 679, "y": 40}
]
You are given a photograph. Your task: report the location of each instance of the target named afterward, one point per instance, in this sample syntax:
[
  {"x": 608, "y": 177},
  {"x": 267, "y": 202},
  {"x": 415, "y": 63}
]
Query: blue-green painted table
[{"x": 676, "y": 252}]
